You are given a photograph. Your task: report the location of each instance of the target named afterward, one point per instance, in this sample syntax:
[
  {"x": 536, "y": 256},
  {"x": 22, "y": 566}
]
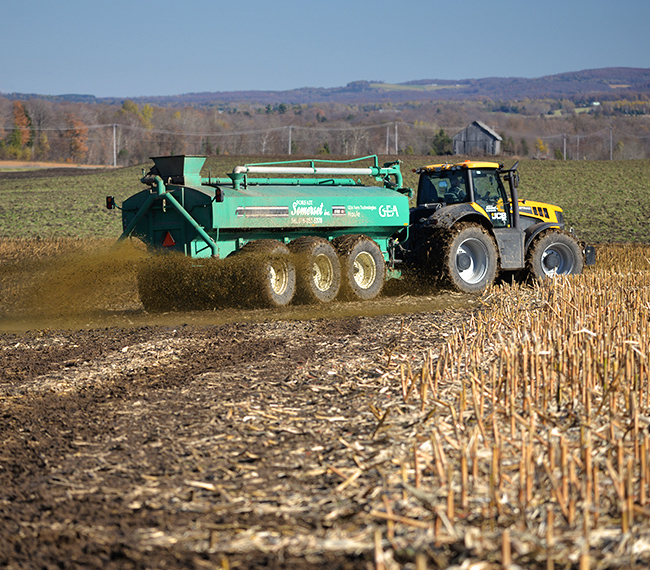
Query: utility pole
[
  {"x": 114, "y": 147},
  {"x": 289, "y": 140},
  {"x": 396, "y": 139}
]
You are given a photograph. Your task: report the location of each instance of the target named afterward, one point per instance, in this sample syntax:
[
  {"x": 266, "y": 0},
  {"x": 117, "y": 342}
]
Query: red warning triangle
[{"x": 169, "y": 240}]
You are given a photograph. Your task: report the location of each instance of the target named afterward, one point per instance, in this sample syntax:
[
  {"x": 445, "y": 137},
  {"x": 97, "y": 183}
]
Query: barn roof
[
  {"x": 483, "y": 127},
  {"x": 488, "y": 130}
]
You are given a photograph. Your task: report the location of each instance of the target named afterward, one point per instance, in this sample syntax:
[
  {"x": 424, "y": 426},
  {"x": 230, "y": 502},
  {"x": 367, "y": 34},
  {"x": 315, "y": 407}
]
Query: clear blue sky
[{"x": 130, "y": 48}]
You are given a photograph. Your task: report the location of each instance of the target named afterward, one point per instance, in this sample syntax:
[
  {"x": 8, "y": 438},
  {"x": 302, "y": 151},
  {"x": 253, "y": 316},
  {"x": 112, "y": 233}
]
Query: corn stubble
[{"x": 533, "y": 439}]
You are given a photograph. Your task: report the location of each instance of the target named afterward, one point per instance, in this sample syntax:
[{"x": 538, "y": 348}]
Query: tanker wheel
[
  {"x": 270, "y": 271},
  {"x": 318, "y": 276},
  {"x": 362, "y": 266},
  {"x": 554, "y": 253},
  {"x": 468, "y": 258}
]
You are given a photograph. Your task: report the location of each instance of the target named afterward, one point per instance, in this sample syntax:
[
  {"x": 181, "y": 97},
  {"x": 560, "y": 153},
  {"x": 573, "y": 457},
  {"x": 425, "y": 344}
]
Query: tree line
[{"x": 123, "y": 134}]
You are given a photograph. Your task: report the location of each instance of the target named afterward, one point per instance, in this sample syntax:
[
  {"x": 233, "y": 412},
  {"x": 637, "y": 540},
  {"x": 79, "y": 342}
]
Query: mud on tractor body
[{"x": 272, "y": 241}]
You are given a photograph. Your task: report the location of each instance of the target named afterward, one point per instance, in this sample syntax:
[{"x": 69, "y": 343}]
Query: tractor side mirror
[{"x": 110, "y": 203}]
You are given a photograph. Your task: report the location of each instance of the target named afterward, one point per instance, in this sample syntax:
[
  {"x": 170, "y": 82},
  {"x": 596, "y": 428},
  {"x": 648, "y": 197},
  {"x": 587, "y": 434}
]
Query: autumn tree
[
  {"x": 508, "y": 145},
  {"x": 20, "y": 139},
  {"x": 22, "y": 124},
  {"x": 77, "y": 136},
  {"x": 42, "y": 146},
  {"x": 541, "y": 147},
  {"x": 43, "y": 117},
  {"x": 143, "y": 115}
]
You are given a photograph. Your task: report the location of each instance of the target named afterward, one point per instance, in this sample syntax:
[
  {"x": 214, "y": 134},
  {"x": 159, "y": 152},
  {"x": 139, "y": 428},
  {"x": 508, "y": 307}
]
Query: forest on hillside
[{"x": 128, "y": 132}]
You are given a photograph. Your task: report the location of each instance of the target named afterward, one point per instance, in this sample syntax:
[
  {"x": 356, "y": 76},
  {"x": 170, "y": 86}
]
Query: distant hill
[{"x": 605, "y": 83}]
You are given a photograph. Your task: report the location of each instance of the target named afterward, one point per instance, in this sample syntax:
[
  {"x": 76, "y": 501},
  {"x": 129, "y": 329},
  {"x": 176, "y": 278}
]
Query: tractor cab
[{"x": 474, "y": 183}]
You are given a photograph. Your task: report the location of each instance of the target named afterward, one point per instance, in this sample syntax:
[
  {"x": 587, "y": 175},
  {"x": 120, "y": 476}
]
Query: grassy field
[{"x": 606, "y": 202}]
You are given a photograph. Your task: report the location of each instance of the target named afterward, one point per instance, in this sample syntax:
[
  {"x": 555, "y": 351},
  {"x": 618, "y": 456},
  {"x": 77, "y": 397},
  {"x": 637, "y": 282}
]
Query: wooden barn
[{"x": 477, "y": 139}]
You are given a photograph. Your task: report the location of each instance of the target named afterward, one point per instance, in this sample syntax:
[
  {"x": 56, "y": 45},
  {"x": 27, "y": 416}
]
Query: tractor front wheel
[{"x": 554, "y": 253}]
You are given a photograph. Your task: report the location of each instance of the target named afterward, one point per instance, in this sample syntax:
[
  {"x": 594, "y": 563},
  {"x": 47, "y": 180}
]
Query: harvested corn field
[{"x": 475, "y": 432}]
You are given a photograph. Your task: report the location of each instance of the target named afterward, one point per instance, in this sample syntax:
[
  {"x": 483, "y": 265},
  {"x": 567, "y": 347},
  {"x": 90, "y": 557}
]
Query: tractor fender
[
  {"x": 534, "y": 230},
  {"x": 448, "y": 216}
]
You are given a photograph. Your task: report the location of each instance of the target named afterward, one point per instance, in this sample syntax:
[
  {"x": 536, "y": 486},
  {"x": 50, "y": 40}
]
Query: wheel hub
[
  {"x": 552, "y": 260},
  {"x": 365, "y": 270},
  {"x": 323, "y": 273},
  {"x": 472, "y": 261},
  {"x": 279, "y": 278},
  {"x": 463, "y": 261},
  {"x": 557, "y": 259}
]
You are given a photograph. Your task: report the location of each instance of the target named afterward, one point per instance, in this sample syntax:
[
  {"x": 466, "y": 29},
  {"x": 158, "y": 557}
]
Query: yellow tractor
[{"x": 469, "y": 224}]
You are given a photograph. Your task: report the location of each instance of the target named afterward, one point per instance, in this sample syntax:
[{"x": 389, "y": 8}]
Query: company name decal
[
  {"x": 388, "y": 211},
  {"x": 306, "y": 208},
  {"x": 305, "y": 212}
]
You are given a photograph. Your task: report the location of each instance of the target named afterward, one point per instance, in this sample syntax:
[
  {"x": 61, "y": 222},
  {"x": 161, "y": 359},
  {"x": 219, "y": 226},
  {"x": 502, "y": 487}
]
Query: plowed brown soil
[{"x": 191, "y": 440}]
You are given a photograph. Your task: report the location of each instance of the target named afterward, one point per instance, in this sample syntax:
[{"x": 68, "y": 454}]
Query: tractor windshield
[
  {"x": 490, "y": 194},
  {"x": 444, "y": 186}
]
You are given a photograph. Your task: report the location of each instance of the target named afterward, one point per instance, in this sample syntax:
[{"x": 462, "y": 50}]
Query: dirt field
[
  {"x": 180, "y": 445},
  {"x": 29, "y": 165},
  {"x": 415, "y": 431}
]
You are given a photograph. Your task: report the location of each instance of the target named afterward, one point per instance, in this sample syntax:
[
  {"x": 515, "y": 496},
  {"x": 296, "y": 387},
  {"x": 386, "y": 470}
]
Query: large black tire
[
  {"x": 318, "y": 277},
  {"x": 264, "y": 273},
  {"x": 362, "y": 266},
  {"x": 554, "y": 253},
  {"x": 466, "y": 258}
]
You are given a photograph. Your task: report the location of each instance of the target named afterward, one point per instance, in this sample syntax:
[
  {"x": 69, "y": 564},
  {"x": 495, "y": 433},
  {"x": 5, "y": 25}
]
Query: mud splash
[
  {"x": 52, "y": 289},
  {"x": 98, "y": 287}
]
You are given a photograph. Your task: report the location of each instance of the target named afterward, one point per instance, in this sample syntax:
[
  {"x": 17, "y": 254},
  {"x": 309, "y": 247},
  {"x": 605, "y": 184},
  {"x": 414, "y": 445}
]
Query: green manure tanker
[{"x": 311, "y": 231}]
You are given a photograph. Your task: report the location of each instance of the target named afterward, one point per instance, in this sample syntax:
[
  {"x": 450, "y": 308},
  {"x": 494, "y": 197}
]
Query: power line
[{"x": 361, "y": 132}]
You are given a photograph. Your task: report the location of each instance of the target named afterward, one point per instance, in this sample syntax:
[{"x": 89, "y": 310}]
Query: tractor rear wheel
[
  {"x": 318, "y": 277},
  {"x": 362, "y": 266},
  {"x": 468, "y": 258},
  {"x": 267, "y": 277},
  {"x": 554, "y": 253}
]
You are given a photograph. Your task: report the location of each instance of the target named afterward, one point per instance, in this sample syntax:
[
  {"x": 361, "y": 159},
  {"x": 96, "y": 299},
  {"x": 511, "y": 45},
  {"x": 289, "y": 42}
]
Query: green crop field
[{"x": 606, "y": 202}]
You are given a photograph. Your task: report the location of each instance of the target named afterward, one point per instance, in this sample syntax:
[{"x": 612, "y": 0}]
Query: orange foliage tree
[
  {"x": 77, "y": 135},
  {"x": 21, "y": 137}
]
